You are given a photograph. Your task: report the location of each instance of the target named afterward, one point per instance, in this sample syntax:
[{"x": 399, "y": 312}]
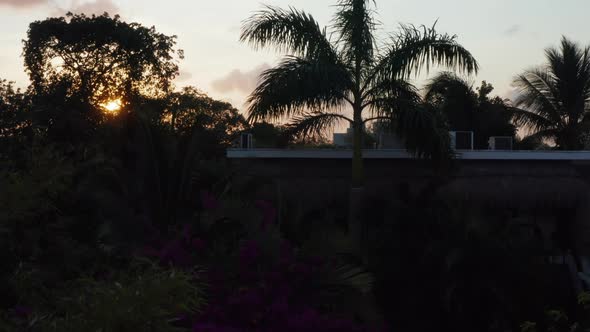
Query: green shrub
[
  {"x": 559, "y": 321},
  {"x": 143, "y": 298}
]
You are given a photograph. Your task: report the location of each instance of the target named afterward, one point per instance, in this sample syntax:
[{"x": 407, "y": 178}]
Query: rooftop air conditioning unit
[
  {"x": 461, "y": 140},
  {"x": 246, "y": 142},
  {"x": 500, "y": 143}
]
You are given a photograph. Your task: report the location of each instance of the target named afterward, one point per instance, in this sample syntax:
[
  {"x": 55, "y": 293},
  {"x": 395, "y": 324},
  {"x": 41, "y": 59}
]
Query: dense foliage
[
  {"x": 99, "y": 58},
  {"x": 132, "y": 219},
  {"x": 467, "y": 109}
]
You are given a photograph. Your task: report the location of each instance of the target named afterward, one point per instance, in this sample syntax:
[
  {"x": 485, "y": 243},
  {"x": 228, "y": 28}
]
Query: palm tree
[
  {"x": 323, "y": 75},
  {"x": 555, "y": 98}
]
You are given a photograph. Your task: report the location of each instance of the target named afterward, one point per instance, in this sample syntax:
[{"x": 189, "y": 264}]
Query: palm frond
[
  {"x": 387, "y": 96},
  {"x": 315, "y": 123},
  {"x": 347, "y": 276},
  {"x": 530, "y": 119},
  {"x": 355, "y": 24},
  {"x": 570, "y": 69},
  {"x": 298, "y": 85},
  {"x": 545, "y": 134},
  {"x": 535, "y": 89},
  {"x": 444, "y": 82},
  {"x": 416, "y": 47},
  {"x": 291, "y": 31},
  {"x": 425, "y": 133}
]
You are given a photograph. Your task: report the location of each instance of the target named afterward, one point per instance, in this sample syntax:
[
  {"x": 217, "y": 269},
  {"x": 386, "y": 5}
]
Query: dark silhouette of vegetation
[
  {"x": 100, "y": 57},
  {"x": 119, "y": 211},
  {"x": 464, "y": 269},
  {"x": 78, "y": 63},
  {"x": 321, "y": 77},
  {"x": 470, "y": 110},
  {"x": 555, "y": 98},
  {"x": 267, "y": 135}
]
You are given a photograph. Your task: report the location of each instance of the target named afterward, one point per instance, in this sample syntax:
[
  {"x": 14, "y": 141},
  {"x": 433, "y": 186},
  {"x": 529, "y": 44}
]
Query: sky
[{"x": 505, "y": 36}]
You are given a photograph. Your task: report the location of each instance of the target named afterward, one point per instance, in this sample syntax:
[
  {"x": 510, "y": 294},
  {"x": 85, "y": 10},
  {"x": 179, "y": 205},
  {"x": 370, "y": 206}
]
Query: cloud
[
  {"x": 22, "y": 3},
  {"x": 513, "y": 30},
  {"x": 184, "y": 76},
  {"x": 88, "y": 7},
  {"x": 240, "y": 81},
  {"x": 94, "y": 7}
]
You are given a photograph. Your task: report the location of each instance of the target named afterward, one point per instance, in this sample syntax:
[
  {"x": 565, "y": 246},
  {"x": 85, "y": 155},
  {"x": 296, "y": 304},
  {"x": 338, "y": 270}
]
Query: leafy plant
[
  {"x": 559, "y": 321},
  {"x": 142, "y": 298}
]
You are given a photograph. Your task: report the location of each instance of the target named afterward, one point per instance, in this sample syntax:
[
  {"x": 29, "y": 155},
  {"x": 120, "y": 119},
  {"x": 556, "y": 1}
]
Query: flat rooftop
[{"x": 402, "y": 154}]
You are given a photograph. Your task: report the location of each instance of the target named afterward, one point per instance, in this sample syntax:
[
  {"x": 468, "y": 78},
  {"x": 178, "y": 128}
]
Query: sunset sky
[{"x": 506, "y": 36}]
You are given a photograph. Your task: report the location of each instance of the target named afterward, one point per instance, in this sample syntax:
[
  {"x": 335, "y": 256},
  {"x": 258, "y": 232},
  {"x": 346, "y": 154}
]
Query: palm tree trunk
[
  {"x": 357, "y": 151},
  {"x": 357, "y": 190}
]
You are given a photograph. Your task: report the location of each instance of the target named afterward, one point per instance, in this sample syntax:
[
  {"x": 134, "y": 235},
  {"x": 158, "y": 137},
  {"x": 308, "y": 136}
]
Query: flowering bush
[
  {"x": 253, "y": 288},
  {"x": 267, "y": 297}
]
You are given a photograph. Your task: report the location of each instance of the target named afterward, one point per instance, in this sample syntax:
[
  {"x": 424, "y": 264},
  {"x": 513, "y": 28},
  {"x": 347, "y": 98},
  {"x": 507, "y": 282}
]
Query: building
[
  {"x": 343, "y": 140},
  {"x": 535, "y": 189}
]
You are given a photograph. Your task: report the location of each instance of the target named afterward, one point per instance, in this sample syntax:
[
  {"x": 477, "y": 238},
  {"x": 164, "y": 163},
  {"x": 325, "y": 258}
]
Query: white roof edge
[{"x": 402, "y": 154}]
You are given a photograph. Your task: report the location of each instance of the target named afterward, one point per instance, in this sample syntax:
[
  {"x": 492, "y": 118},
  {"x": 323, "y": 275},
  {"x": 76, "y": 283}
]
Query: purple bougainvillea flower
[
  {"x": 269, "y": 213},
  {"x": 279, "y": 308},
  {"x": 199, "y": 244},
  {"x": 151, "y": 252},
  {"x": 183, "y": 320},
  {"x": 213, "y": 327},
  {"x": 274, "y": 276},
  {"x": 316, "y": 261},
  {"x": 250, "y": 299},
  {"x": 206, "y": 327},
  {"x": 186, "y": 233},
  {"x": 22, "y": 311},
  {"x": 306, "y": 321},
  {"x": 249, "y": 252},
  {"x": 175, "y": 253},
  {"x": 302, "y": 270},
  {"x": 208, "y": 200},
  {"x": 104, "y": 274},
  {"x": 287, "y": 255}
]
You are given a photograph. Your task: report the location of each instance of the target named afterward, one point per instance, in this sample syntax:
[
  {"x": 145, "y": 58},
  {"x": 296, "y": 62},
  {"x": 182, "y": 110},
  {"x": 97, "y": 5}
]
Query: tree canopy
[
  {"x": 100, "y": 58},
  {"x": 470, "y": 109}
]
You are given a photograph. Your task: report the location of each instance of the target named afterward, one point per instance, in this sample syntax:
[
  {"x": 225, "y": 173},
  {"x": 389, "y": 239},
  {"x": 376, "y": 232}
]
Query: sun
[{"x": 112, "y": 106}]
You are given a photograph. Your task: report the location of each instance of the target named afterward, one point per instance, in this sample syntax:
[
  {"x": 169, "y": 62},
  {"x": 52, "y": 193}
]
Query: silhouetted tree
[
  {"x": 470, "y": 110},
  {"x": 321, "y": 77},
  {"x": 267, "y": 135},
  {"x": 15, "y": 128},
  {"x": 77, "y": 63},
  {"x": 162, "y": 146},
  {"x": 189, "y": 110},
  {"x": 555, "y": 98}
]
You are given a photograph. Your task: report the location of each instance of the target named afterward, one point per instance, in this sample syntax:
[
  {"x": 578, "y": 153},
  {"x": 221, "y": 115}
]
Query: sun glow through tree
[{"x": 112, "y": 106}]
